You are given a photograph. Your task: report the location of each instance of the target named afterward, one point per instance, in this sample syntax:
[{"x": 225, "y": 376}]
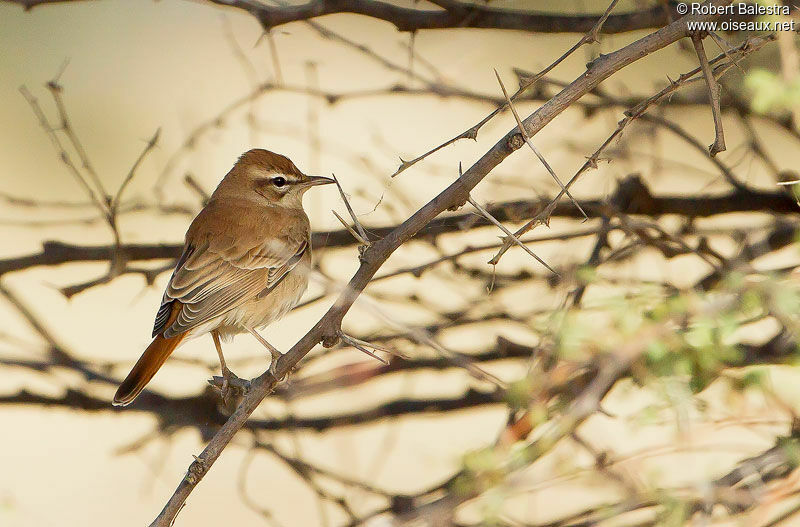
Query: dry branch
[
  {"x": 508, "y": 233},
  {"x": 632, "y": 114},
  {"x": 713, "y": 95},
  {"x": 325, "y": 330},
  {"x": 361, "y": 235},
  {"x": 632, "y": 197},
  {"x": 533, "y": 148},
  {"x": 472, "y": 132},
  {"x": 456, "y": 15},
  {"x": 639, "y": 201}
]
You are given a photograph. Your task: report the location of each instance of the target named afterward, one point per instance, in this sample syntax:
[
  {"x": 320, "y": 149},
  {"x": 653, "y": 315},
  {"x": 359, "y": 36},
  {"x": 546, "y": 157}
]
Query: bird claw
[
  {"x": 230, "y": 386},
  {"x": 226, "y": 382},
  {"x": 273, "y": 365},
  {"x": 276, "y": 354}
]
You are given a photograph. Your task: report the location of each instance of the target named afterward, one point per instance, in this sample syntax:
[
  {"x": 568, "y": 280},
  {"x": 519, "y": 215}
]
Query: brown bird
[{"x": 245, "y": 263}]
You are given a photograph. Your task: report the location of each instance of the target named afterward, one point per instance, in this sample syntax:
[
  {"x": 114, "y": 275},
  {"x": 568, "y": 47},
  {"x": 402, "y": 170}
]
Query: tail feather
[{"x": 144, "y": 369}]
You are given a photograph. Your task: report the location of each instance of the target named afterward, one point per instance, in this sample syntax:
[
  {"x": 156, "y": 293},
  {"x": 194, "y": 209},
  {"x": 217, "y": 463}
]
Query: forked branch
[{"x": 327, "y": 329}]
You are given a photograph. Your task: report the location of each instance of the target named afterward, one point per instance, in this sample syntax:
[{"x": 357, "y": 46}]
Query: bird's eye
[{"x": 279, "y": 181}]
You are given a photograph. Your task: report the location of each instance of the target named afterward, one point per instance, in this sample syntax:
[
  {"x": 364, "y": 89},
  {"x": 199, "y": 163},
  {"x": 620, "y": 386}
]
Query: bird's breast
[{"x": 263, "y": 310}]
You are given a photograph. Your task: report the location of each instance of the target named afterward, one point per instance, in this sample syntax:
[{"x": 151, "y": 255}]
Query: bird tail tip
[{"x": 145, "y": 368}]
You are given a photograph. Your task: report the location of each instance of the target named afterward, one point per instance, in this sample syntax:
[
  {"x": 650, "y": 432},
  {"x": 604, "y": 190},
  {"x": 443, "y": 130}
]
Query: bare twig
[
  {"x": 713, "y": 95},
  {"x": 114, "y": 207},
  {"x": 509, "y": 234},
  {"x": 56, "y": 91},
  {"x": 726, "y": 48},
  {"x": 702, "y": 206},
  {"x": 748, "y": 46},
  {"x": 362, "y": 234},
  {"x": 276, "y": 62},
  {"x": 347, "y": 226},
  {"x": 198, "y": 189},
  {"x": 62, "y": 153},
  {"x": 373, "y": 257},
  {"x": 458, "y": 15},
  {"x": 472, "y": 132},
  {"x": 535, "y": 150},
  {"x": 361, "y": 346}
]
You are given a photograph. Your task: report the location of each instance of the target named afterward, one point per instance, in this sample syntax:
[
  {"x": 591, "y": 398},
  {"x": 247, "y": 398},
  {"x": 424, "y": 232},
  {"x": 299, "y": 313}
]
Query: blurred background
[{"x": 682, "y": 277}]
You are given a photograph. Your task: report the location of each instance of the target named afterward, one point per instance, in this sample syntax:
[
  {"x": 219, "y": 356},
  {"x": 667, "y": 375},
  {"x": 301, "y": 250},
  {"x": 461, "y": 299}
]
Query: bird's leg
[
  {"x": 272, "y": 350},
  {"x": 226, "y": 373}
]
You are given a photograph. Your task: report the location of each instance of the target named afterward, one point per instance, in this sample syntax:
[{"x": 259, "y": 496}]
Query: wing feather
[{"x": 216, "y": 273}]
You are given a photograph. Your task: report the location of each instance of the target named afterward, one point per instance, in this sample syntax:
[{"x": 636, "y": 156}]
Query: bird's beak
[{"x": 313, "y": 181}]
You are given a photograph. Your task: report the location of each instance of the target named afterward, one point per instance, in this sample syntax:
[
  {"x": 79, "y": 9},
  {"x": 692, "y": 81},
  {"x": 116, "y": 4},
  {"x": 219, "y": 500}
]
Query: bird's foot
[
  {"x": 276, "y": 354},
  {"x": 236, "y": 386},
  {"x": 273, "y": 365},
  {"x": 226, "y": 382},
  {"x": 230, "y": 386}
]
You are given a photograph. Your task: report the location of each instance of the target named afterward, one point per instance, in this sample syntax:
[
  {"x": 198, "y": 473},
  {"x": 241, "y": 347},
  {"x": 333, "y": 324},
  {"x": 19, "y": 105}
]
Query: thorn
[
  {"x": 349, "y": 229},
  {"x": 362, "y": 235},
  {"x": 508, "y": 233},
  {"x": 359, "y": 345},
  {"x": 527, "y": 139}
]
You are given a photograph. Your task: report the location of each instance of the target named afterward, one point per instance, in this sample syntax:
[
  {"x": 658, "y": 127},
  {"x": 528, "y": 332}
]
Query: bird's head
[{"x": 264, "y": 175}]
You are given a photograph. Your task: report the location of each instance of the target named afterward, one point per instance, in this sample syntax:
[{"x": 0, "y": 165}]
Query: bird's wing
[{"x": 218, "y": 272}]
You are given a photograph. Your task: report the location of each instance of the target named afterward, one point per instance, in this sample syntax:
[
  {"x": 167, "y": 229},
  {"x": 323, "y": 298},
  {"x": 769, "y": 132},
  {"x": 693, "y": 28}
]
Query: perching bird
[{"x": 245, "y": 263}]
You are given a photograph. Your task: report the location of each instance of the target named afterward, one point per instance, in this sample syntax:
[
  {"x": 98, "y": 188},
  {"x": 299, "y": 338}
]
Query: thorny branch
[
  {"x": 640, "y": 201},
  {"x": 455, "y": 195},
  {"x": 472, "y": 132},
  {"x": 713, "y": 95},
  {"x": 527, "y": 138},
  {"x": 583, "y": 388},
  {"x": 632, "y": 114}
]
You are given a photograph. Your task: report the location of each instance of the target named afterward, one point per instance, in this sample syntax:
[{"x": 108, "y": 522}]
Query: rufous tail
[{"x": 144, "y": 369}]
